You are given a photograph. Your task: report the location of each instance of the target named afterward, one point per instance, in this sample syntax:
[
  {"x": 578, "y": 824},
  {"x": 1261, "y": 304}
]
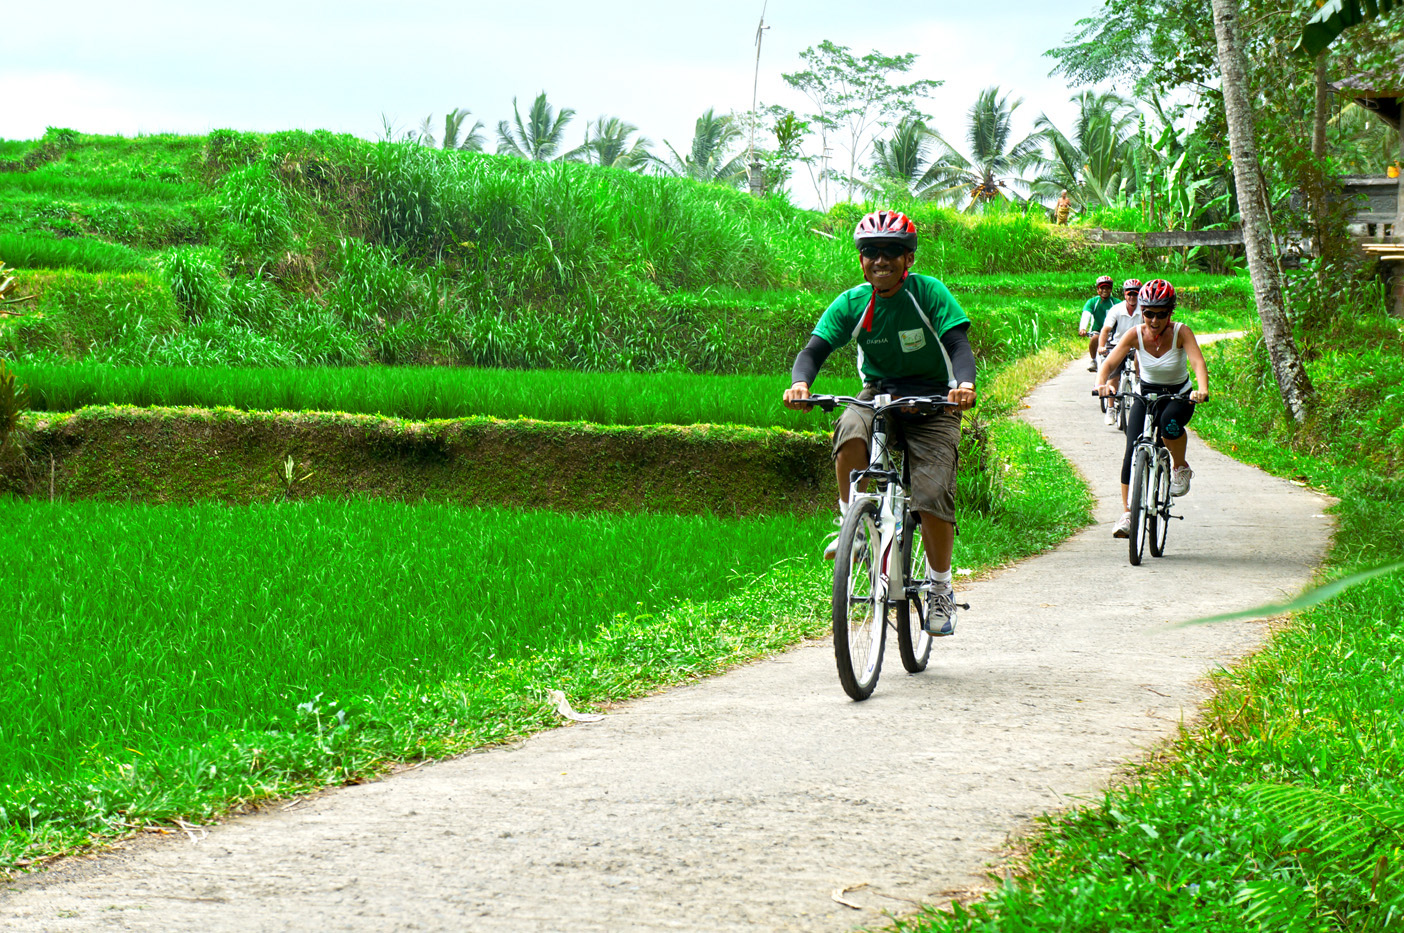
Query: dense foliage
[{"x": 1279, "y": 811}]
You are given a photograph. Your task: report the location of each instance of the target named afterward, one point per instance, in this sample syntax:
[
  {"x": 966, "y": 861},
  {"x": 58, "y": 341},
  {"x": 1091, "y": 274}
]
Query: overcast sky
[{"x": 189, "y": 67}]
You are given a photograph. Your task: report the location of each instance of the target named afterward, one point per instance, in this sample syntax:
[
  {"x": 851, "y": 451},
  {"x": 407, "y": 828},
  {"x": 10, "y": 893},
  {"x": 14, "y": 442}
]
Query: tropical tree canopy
[
  {"x": 607, "y": 143},
  {"x": 539, "y": 137},
  {"x": 900, "y": 162},
  {"x": 1096, "y": 163},
  {"x": 455, "y": 136},
  {"x": 708, "y": 160},
  {"x": 994, "y": 166}
]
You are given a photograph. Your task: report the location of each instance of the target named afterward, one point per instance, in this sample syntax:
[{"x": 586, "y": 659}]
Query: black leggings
[{"x": 1171, "y": 418}]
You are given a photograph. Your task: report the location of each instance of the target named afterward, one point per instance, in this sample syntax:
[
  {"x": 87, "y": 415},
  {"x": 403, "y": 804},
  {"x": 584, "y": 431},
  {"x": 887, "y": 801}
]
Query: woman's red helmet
[
  {"x": 886, "y": 227},
  {"x": 1157, "y": 293}
]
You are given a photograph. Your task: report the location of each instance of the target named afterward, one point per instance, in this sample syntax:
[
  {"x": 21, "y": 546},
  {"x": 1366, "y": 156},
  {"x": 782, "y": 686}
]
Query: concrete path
[{"x": 747, "y": 801}]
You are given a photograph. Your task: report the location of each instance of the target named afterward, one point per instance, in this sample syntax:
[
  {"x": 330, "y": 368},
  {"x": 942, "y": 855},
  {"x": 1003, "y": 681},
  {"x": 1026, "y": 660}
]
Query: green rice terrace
[{"x": 359, "y": 447}]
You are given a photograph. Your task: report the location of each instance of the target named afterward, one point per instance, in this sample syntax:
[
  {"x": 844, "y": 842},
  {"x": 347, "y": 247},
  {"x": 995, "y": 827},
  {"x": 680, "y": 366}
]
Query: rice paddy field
[{"x": 167, "y": 662}]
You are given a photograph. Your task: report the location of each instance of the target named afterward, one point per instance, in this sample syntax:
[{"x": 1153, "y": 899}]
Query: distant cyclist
[
  {"x": 911, "y": 336},
  {"x": 1117, "y": 324},
  {"x": 1165, "y": 351},
  {"x": 1094, "y": 314}
]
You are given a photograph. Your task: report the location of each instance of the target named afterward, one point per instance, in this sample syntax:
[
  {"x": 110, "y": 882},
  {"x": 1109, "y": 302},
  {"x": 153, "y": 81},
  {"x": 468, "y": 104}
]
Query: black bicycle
[
  {"x": 1149, "y": 497},
  {"x": 881, "y": 561}
]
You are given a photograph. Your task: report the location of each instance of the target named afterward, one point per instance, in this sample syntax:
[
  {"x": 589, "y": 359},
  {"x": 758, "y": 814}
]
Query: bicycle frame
[
  {"x": 1155, "y": 509},
  {"x": 887, "y": 485},
  {"x": 872, "y": 580}
]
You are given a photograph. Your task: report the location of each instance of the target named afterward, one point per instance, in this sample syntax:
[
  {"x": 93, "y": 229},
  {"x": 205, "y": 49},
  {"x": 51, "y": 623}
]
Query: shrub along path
[{"x": 747, "y": 801}]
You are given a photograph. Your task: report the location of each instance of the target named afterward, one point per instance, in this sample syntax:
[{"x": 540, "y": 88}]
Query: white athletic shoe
[
  {"x": 940, "y": 610},
  {"x": 1180, "y": 480},
  {"x": 1111, "y": 413},
  {"x": 1123, "y": 526}
]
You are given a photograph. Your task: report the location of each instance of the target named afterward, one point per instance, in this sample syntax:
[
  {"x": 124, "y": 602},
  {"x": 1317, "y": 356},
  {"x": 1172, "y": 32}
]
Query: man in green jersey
[
  {"x": 1094, "y": 314},
  {"x": 911, "y": 337}
]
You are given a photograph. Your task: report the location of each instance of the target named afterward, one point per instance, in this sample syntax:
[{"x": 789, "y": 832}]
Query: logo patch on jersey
[{"x": 912, "y": 340}]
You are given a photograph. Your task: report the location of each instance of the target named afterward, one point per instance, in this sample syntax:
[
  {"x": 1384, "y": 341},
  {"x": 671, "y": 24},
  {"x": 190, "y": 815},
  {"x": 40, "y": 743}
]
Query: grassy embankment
[
  {"x": 1279, "y": 810},
  {"x": 343, "y": 637}
]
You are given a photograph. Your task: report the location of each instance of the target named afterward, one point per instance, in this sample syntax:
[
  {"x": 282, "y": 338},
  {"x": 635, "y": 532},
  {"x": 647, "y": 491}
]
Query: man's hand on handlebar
[
  {"x": 963, "y": 397},
  {"x": 796, "y": 394},
  {"x": 1199, "y": 395}
]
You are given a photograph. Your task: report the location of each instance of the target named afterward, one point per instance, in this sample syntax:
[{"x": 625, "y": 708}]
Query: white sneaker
[
  {"x": 940, "y": 610},
  {"x": 1180, "y": 480},
  {"x": 1111, "y": 413},
  {"x": 1123, "y": 526}
]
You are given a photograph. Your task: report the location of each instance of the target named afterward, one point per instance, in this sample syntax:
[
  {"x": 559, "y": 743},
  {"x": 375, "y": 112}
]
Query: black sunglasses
[
  {"x": 874, "y": 251},
  {"x": 1154, "y": 315}
]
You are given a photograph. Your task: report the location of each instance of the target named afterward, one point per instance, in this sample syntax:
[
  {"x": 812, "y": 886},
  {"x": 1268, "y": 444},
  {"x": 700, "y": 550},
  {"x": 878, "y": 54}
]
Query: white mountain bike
[{"x": 881, "y": 561}]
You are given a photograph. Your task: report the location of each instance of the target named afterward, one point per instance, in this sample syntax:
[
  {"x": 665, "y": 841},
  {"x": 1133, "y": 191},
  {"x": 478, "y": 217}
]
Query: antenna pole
[{"x": 757, "y": 182}]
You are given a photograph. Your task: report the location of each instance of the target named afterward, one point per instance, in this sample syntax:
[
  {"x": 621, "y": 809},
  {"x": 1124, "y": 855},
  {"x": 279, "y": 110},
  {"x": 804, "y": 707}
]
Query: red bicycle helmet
[
  {"x": 1131, "y": 285},
  {"x": 1157, "y": 293},
  {"x": 882, "y": 227},
  {"x": 1103, "y": 280}
]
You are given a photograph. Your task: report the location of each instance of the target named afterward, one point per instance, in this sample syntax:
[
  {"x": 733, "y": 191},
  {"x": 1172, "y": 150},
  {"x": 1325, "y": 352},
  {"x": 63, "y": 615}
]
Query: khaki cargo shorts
[{"x": 933, "y": 444}]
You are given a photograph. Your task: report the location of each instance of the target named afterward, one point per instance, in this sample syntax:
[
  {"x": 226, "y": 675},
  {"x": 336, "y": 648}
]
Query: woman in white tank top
[{"x": 1165, "y": 353}]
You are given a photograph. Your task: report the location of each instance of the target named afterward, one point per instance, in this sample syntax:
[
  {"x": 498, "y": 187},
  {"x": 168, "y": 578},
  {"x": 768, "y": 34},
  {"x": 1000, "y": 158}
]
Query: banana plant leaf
[{"x": 1335, "y": 17}]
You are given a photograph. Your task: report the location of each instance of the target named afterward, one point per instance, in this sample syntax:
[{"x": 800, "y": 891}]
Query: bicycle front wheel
[
  {"x": 860, "y": 609},
  {"x": 913, "y": 641},
  {"x": 1141, "y": 504},
  {"x": 1123, "y": 405},
  {"x": 1159, "y": 517}
]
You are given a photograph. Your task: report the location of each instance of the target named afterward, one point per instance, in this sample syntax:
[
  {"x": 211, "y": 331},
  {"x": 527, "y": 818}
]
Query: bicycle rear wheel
[
  {"x": 1140, "y": 503},
  {"x": 860, "y": 617},
  {"x": 1123, "y": 404},
  {"x": 1159, "y": 517},
  {"x": 913, "y": 641}
]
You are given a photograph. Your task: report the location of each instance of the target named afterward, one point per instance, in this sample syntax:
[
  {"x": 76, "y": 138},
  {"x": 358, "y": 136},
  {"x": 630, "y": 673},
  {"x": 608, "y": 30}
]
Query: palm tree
[
  {"x": 1096, "y": 164},
  {"x": 707, "y": 159},
  {"x": 607, "y": 143},
  {"x": 454, "y": 136},
  {"x": 900, "y": 162},
  {"x": 539, "y": 138},
  {"x": 994, "y": 167}
]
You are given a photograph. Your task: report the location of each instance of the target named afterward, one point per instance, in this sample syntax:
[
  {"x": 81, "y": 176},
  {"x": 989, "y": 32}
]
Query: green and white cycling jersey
[
  {"x": 902, "y": 340},
  {"x": 1094, "y": 313}
]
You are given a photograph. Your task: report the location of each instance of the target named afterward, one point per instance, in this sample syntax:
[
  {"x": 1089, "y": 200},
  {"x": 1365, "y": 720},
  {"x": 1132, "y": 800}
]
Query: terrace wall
[{"x": 179, "y": 455}]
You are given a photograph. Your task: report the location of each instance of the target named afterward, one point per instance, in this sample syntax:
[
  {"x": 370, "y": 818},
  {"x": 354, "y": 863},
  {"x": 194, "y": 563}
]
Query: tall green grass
[
  {"x": 53, "y": 180},
  {"x": 425, "y": 393},
  {"x": 83, "y": 253}
]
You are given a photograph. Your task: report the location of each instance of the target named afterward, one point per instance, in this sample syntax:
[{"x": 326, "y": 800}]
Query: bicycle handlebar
[
  {"x": 1185, "y": 396},
  {"x": 926, "y": 403}
]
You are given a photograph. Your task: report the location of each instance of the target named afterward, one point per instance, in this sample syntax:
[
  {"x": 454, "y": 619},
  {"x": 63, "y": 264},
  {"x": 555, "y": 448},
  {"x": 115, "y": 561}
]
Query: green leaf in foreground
[{"x": 1305, "y": 601}]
